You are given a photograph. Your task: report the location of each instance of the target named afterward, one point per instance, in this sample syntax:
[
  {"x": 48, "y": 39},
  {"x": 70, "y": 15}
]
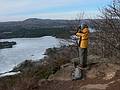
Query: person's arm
[
  {"x": 82, "y": 33},
  {"x": 79, "y": 34}
]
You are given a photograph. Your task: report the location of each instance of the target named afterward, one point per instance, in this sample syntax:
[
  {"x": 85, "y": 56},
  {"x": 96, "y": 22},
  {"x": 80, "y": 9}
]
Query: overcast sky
[{"x": 14, "y": 10}]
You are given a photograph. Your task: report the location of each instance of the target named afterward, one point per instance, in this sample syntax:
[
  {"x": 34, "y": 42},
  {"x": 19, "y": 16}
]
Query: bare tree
[
  {"x": 107, "y": 42},
  {"x": 74, "y": 28}
]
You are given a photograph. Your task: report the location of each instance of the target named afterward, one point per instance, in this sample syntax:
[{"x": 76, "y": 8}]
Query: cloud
[
  {"x": 65, "y": 15},
  {"x": 12, "y": 6},
  {"x": 16, "y": 9}
]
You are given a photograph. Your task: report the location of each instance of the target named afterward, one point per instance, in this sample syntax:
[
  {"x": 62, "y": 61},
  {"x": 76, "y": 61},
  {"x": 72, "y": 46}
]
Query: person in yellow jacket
[{"x": 83, "y": 36}]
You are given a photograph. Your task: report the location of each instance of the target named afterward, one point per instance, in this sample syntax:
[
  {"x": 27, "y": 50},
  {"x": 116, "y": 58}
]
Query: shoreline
[
  {"x": 37, "y": 60},
  {"x": 28, "y": 64},
  {"x": 25, "y": 50},
  {"x": 7, "y": 44}
]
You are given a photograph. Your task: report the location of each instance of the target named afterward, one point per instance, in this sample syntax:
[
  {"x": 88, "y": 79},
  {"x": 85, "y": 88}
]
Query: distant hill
[
  {"x": 34, "y": 27},
  {"x": 32, "y": 23}
]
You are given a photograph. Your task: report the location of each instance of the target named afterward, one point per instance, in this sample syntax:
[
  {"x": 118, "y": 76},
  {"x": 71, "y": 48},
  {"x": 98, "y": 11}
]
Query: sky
[{"x": 18, "y": 10}]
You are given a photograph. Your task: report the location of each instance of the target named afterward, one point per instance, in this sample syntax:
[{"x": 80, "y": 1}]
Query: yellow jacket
[{"x": 84, "y": 37}]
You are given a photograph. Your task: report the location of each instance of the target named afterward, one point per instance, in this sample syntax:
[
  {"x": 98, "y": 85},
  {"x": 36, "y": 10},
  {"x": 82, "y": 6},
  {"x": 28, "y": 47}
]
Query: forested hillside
[{"x": 34, "y": 28}]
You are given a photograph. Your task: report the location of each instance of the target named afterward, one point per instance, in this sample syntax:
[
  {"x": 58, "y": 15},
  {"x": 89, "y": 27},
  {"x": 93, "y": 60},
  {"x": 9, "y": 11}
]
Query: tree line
[{"x": 25, "y": 33}]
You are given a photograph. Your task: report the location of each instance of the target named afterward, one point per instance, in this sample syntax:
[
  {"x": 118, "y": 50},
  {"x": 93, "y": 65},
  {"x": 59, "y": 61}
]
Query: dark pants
[{"x": 83, "y": 56}]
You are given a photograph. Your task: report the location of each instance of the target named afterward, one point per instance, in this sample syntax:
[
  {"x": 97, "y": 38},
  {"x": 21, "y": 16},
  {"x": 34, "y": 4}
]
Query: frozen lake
[{"x": 25, "y": 49}]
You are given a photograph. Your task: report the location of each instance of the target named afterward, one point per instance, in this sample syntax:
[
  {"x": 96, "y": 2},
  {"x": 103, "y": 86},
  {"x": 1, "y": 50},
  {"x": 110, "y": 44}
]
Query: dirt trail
[{"x": 100, "y": 76}]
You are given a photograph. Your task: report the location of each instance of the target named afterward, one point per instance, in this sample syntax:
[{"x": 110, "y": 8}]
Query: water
[{"x": 25, "y": 49}]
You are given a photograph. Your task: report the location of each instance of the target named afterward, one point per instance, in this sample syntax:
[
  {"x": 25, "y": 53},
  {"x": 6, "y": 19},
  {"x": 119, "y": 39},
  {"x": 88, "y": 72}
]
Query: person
[{"x": 83, "y": 36}]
